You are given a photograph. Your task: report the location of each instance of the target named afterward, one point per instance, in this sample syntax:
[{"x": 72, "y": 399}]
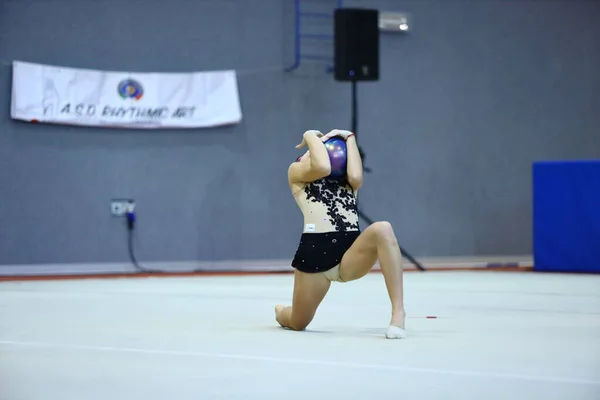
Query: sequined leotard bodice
[{"x": 328, "y": 205}]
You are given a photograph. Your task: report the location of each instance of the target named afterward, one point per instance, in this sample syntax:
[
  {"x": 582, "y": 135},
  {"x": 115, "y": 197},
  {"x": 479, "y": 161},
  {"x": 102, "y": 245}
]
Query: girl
[{"x": 332, "y": 246}]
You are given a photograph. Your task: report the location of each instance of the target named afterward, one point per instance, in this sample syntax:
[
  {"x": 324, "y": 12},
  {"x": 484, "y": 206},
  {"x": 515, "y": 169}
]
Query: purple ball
[{"x": 336, "y": 147}]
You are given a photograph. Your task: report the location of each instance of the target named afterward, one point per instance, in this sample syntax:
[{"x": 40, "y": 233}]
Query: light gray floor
[{"x": 498, "y": 336}]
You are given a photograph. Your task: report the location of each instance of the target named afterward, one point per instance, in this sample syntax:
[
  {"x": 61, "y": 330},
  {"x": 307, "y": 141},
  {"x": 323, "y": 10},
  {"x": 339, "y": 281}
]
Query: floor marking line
[{"x": 482, "y": 374}]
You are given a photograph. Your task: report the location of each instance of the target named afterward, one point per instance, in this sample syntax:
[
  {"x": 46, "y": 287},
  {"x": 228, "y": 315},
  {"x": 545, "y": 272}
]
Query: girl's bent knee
[
  {"x": 297, "y": 326},
  {"x": 385, "y": 232}
]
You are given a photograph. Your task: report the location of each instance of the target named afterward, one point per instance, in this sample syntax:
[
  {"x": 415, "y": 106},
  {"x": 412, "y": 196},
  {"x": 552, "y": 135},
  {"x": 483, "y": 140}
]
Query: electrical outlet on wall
[{"x": 119, "y": 207}]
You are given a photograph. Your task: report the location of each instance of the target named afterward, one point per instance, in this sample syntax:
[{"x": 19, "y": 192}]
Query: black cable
[
  {"x": 130, "y": 218},
  {"x": 130, "y": 228}
]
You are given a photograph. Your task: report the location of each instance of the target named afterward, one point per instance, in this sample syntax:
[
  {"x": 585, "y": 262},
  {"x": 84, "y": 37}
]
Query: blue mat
[{"x": 566, "y": 216}]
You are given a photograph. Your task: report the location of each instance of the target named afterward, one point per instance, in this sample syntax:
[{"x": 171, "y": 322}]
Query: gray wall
[{"x": 476, "y": 93}]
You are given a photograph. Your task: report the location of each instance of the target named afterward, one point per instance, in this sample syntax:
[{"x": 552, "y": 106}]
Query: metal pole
[{"x": 354, "y": 128}]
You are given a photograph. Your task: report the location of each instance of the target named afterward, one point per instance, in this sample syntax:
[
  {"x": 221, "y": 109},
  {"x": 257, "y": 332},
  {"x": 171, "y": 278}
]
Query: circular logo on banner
[{"x": 130, "y": 89}]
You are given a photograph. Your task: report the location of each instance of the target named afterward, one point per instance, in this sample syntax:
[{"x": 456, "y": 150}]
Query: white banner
[{"x": 50, "y": 94}]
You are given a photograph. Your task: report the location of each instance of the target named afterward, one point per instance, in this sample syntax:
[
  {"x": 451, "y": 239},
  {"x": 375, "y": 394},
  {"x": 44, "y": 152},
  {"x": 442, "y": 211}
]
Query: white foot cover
[{"x": 395, "y": 332}]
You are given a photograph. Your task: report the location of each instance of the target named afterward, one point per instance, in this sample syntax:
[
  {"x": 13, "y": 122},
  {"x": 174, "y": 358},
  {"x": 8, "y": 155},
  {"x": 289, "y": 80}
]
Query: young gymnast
[{"x": 332, "y": 246}]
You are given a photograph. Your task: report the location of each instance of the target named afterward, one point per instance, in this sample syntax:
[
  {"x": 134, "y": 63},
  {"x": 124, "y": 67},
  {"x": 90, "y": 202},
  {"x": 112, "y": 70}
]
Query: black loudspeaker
[{"x": 356, "y": 44}]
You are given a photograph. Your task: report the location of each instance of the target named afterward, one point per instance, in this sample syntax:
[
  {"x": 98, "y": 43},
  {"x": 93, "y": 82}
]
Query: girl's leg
[
  {"x": 309, "y": 292},
  {"x": 378, "y": 243}
]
